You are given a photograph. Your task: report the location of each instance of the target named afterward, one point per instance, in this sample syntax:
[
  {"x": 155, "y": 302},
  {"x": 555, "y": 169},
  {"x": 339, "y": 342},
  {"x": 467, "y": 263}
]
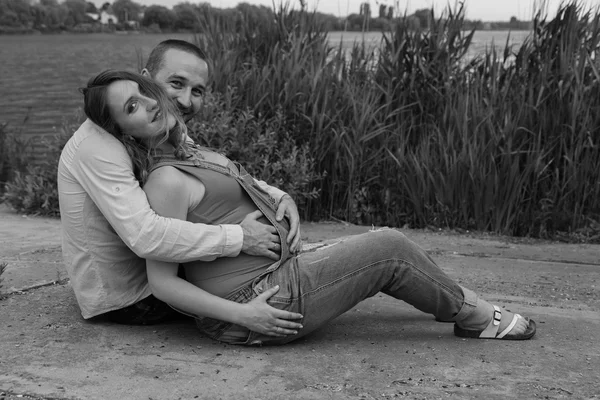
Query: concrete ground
[{"x": 381, "y": 349}]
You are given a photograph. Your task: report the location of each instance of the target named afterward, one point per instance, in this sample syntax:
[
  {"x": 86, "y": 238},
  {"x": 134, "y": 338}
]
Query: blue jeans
[{"x": 328, "y": 281}]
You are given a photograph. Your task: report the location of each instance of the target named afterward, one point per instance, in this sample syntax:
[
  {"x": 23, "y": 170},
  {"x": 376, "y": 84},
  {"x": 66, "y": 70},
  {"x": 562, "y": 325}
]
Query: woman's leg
[{"x": 327, "y": 282}]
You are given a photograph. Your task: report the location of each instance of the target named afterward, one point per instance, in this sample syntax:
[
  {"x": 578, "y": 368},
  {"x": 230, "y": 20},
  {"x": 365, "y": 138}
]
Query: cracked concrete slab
[{"x": 381, "y": 349}]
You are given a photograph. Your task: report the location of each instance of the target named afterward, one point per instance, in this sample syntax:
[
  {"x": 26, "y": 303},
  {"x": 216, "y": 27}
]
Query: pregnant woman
[{"x": 229, "y": 297}]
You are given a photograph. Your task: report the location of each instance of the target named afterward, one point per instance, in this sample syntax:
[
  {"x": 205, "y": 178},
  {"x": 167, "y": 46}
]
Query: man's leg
[
  {"x": 148, "y": 311},
  {"x": 329, "y": 281}
]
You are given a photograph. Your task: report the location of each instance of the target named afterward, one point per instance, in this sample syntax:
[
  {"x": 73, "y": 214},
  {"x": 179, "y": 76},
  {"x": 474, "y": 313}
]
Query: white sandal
[{"x": 491, "y": 331}]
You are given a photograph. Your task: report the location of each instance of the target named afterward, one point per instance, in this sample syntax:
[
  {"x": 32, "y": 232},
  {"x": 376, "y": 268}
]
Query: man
[{"x": 108, "y": 224}]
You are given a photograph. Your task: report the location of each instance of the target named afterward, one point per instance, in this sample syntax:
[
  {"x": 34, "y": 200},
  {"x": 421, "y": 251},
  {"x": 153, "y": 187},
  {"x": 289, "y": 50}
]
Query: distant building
[
  {"x": 104, "y": 18},
  {"x": 365, "y": 9},
  {"x": 108, "y": 19}
]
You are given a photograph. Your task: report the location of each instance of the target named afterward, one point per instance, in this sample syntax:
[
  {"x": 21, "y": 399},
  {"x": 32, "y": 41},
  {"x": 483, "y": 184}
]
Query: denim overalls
[{"x": 208, "y": 159}]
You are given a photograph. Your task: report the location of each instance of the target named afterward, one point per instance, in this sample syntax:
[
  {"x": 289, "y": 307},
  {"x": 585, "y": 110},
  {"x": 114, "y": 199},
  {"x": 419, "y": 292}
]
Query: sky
[{"x": 486, "y": 10}]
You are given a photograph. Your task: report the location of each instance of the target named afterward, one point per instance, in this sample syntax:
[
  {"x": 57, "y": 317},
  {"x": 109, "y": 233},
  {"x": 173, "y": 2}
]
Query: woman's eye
[{"x": 131, "y": 107}]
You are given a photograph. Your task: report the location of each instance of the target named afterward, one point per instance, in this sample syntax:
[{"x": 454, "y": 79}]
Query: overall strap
[{"x": 208, "y": 160}]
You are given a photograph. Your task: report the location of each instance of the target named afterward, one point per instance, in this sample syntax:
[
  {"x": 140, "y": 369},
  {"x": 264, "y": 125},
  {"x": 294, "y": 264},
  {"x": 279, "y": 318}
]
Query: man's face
[{"x": 184, "y": 76}]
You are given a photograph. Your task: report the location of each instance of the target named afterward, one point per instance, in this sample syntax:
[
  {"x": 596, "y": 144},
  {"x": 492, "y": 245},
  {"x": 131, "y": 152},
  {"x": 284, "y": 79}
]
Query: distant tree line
[
  {"x": 22, "y": 16},
  {"x": 421, "y": 19}
]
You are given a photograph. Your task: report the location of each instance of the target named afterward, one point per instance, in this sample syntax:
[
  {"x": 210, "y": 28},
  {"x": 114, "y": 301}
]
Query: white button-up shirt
[{"x": 109, "y": 227}]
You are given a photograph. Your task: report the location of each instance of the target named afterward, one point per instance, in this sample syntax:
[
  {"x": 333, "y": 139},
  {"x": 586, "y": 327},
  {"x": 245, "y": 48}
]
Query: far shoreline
[{"x": 141, "y": 32}]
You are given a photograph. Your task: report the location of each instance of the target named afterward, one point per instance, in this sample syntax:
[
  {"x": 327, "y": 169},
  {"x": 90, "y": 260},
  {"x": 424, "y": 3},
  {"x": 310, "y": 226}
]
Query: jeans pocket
[
  {"x": 227, "y": 332},
  {"x": 240, "y": 335},
  {"x": 212, "y": 328}
]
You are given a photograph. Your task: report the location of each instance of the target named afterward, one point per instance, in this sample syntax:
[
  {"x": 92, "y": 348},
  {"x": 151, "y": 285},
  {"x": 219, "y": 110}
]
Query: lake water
[
  {"x": 481, "y": 39},
  {"x": 40, "y": 74}
]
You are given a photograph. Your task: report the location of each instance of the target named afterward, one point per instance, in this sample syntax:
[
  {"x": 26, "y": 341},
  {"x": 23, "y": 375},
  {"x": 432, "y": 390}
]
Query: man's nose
[{"x": 185, "y": 98}]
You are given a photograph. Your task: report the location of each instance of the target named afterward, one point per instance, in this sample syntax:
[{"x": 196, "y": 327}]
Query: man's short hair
[{"x": 156, "y": 58}]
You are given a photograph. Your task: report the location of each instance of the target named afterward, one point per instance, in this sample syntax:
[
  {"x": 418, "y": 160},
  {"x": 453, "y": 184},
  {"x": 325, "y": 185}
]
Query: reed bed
[{"x": 412, "y": 133}]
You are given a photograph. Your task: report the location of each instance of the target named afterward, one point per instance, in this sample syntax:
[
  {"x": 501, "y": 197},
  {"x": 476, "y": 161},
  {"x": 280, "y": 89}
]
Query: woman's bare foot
[{"x": 479, "y": 320}]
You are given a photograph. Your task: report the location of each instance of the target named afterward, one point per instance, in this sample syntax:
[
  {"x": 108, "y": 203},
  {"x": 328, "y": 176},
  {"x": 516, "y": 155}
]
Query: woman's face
[{"x": 137, "y": 115}]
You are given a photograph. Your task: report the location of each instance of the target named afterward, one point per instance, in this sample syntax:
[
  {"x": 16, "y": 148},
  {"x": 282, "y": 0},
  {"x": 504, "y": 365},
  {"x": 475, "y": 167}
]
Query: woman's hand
[{"x": 262, "y": 318}]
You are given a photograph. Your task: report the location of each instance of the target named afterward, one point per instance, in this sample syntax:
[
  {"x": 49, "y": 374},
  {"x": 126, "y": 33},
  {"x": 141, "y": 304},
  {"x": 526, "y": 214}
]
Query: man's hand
[
  {"x": 262, "y": 318},
  {"x": 260, "y": 239},
  {"x": 288, "y": 208}
]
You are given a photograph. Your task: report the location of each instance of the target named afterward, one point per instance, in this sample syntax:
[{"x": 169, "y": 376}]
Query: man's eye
[
  {"x": 176, "y": 84},
  {"x": 198, "y": 92}
]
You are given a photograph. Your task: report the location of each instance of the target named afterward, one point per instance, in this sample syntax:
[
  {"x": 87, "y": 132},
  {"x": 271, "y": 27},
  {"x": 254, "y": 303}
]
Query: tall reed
[{"x": 413, "y": 132}]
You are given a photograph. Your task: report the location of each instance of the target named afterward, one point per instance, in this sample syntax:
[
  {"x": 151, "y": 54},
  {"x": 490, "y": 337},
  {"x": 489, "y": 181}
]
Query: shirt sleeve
[{"x": 104, "y": 169}]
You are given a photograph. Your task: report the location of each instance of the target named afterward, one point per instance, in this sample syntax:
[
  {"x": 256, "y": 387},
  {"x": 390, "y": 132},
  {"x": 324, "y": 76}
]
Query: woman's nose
[{"x": 151, "y": 104}]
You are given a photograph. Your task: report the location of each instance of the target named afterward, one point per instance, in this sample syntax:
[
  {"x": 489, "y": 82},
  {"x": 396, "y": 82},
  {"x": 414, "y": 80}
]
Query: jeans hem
[{"x": 469, "y": 304}]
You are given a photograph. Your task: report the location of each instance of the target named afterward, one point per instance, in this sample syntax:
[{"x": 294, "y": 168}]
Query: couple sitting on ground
[{"x": 133, "y": 186}]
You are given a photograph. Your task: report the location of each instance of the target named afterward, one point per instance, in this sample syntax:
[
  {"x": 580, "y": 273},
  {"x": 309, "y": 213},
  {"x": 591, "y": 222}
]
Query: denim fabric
[{"x": 328, "y": 281}]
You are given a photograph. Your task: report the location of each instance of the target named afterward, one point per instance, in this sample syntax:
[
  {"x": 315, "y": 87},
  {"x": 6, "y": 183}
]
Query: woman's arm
[
  {"x": 256, "y": 315},
  {"x": 171, "y": 194}
]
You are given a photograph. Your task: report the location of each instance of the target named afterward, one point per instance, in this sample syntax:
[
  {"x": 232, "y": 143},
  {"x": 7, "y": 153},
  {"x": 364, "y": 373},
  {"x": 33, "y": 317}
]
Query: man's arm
[{"x": 104, "y": 169}]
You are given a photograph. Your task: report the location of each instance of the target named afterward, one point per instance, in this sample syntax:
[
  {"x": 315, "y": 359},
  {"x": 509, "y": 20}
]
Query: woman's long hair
[{"x": 143, "y": 156}]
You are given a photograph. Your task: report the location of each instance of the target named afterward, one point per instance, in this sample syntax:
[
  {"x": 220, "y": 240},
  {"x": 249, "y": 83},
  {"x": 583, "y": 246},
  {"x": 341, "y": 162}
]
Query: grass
[
  {"x": 32, "y": 188},
  {"x": 3, "y": 266},
  {"x": 12, "y": 154}
]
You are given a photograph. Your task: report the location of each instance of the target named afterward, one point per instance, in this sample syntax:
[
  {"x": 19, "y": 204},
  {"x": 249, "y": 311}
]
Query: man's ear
[{"x": 146, "y": 73}]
